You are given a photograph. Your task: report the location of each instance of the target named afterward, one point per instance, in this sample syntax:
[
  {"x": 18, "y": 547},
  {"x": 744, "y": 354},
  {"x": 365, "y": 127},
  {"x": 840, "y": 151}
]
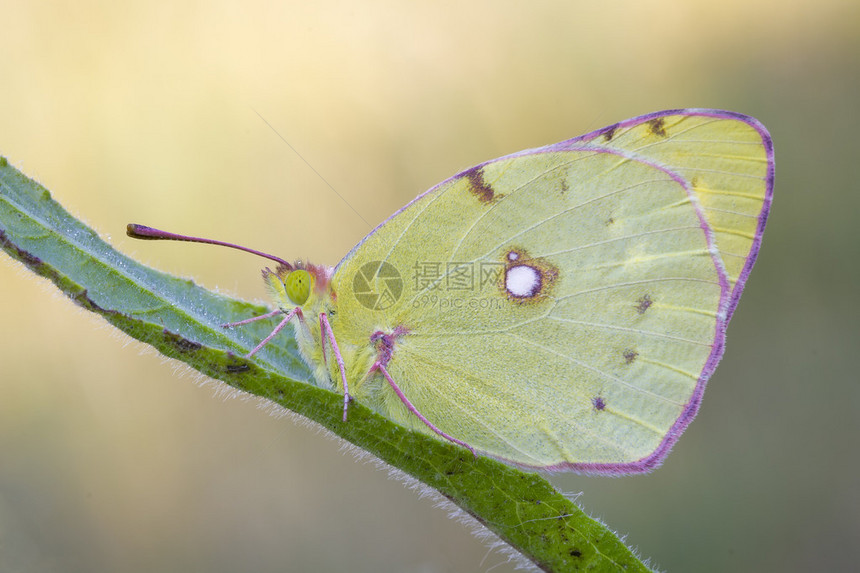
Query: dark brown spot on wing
[
  {"x": 644, "y": 304},
  {"x": 609, "y": 132},
  {"x": 658, "y": 126},
  {"x": 630, "y": 356},
  {"x": 480, "y": 188}
]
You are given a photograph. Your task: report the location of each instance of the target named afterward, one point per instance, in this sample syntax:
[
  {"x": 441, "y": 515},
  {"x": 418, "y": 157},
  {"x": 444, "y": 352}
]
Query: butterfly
[{"x": 560, "y": 308}]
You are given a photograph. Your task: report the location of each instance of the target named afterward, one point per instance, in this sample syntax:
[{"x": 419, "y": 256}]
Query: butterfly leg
[
  {"x": 252, "y": 319},
  {"x": 379, "y": 366},
  {"x": 295, "y": 312},
  {"x": 322, "y": 341},
  {"x": 326, "y": 331}
]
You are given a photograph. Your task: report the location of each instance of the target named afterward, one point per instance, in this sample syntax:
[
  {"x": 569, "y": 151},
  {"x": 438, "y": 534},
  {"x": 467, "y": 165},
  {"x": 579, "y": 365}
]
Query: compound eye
[{"x": 298, "y": 286}]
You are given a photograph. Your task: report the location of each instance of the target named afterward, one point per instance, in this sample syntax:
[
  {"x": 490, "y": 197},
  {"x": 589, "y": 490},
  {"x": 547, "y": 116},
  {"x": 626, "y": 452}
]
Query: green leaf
[{"x": 182, "y": 320}]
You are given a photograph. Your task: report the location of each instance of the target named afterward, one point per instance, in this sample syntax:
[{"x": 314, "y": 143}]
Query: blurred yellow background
[{"x": 112, "y": 459}]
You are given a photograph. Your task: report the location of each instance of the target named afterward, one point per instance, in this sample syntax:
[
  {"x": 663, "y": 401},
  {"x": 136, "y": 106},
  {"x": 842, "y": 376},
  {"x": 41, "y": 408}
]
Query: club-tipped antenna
[{"x": 149, "y": 234}]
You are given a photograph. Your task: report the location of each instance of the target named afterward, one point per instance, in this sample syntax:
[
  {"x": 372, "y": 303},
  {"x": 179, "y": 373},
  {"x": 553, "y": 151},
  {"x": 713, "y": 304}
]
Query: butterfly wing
[{"x": 563, "y": 307}]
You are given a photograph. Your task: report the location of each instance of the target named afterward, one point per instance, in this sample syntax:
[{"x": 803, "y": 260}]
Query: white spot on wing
[{"x": 522, "y": 281}]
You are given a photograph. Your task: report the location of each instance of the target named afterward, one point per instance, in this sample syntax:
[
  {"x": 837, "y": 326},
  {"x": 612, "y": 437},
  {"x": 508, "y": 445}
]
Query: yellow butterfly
[{"x": 559, "y": 308}]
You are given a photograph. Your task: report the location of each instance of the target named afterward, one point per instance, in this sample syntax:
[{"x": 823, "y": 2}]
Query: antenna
[{"x": 136, "y": 231}]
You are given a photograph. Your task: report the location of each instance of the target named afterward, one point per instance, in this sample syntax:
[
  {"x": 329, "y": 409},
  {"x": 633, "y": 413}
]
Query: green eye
[{"x": 298, "y": 285}]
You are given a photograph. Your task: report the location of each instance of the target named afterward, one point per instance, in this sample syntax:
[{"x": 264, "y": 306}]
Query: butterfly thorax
[{"x": 316, "y": 348}]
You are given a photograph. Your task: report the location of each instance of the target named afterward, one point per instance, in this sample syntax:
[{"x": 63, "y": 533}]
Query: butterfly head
[{"x": 300, "y": 284}]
